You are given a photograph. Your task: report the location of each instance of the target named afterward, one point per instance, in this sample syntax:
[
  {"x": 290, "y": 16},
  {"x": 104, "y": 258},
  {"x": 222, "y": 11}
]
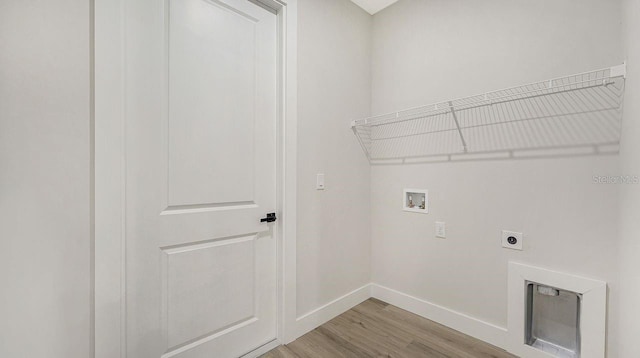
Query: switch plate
[
  {"x": 512, "y": 240},
  {"x": 441, "y": 230},
  {"x": 320, "y": 182}
]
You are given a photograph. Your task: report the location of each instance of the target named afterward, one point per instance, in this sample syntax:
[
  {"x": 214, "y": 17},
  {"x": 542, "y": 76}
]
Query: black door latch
[{"x": 271, "y": 217}]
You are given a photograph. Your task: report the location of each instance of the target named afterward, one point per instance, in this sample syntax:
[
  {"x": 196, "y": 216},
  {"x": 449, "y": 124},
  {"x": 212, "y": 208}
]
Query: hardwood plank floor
[{"x": 377, "y": 329}]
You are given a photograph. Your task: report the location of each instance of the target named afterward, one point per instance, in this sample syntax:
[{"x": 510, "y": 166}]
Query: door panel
[
  {"x": 226, "y": 269},
  {"x": 201, "y": 172},
  {"x": 212, "y": 95}
]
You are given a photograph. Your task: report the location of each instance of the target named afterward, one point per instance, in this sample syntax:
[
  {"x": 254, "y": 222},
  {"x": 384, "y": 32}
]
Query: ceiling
[{"x": 373, "y": 6}]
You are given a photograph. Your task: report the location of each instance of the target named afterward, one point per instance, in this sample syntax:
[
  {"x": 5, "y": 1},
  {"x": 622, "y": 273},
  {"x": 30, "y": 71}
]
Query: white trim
[
  {"x": 374, "y": 6},
  {"x": 461, "y": 322},
  {"x": 109, "y": 254},
  {"x": 287, "y": 273},
  {"x": 319, "y": 316},
  {"x": 109, "y": 176},
  {"x": 593, "y": 312},
  {"x": 262, "y": 349}
]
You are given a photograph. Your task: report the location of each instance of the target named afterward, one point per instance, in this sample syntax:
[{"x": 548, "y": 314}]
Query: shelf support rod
[
  {"x": 455, "y": 119},
  {"x": 364, "y": 147}
]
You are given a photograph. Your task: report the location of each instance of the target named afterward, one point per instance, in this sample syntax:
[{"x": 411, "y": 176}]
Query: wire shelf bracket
[{"x": 579, "y": 113}]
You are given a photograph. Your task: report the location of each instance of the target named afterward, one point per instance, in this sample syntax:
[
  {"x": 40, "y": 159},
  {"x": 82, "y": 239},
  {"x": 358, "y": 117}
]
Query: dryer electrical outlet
[{"x": 512, "y": 240}]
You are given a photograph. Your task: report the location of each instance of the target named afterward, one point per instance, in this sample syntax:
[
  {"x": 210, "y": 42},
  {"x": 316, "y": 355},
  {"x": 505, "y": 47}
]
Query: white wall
[
  {"x": 423, "y": 51},
  {"x": 44, "y": 180},
  {"x": 429, "y": 51},
  {"x": 629, "y": 328},
  {"x": 333, "y": 239}
]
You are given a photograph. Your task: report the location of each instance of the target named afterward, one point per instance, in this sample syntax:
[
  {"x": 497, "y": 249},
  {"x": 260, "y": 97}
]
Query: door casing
[{"x": 108, "y": 309}]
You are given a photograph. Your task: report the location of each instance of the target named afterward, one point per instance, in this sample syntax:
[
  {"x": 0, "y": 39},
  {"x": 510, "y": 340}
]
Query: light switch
[
  {"x": 441, "y": 230},
  {"x": 320, "y": 182}
]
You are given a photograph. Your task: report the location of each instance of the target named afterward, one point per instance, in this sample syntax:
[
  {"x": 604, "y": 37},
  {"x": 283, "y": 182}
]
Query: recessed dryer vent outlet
[
  {"x": 553, "y": 320},
  {"x": 555, "y": 314}
]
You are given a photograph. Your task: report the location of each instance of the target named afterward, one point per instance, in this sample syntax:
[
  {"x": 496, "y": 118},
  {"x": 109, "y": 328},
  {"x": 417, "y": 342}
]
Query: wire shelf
[{"x": 582, "y": 110}]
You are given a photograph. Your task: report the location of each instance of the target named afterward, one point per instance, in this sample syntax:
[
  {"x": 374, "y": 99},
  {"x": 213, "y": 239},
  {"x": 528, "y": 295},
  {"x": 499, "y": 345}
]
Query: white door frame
[{"x": 109, "y": 158}]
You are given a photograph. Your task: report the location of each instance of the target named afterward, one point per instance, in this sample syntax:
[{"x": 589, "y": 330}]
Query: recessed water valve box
[{"x": 415, "y": 200}]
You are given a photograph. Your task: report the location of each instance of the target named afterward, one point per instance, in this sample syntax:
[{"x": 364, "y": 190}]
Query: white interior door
[{"x": 200, "y": 174}]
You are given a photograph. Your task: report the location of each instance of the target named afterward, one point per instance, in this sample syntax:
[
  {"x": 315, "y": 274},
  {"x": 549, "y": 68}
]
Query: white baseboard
[
  {"x": 461, "y": 322},
  {"x": 321, "y": 315},
  {"x": 468, "y": 325},
  {"x": 262, "y": 349}
]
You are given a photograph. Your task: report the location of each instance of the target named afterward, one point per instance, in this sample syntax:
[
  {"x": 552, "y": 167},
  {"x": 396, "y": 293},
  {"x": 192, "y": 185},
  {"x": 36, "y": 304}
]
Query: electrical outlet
[
  {"x": 441, "y": 230},
  {"x": 512, "y": 240}
]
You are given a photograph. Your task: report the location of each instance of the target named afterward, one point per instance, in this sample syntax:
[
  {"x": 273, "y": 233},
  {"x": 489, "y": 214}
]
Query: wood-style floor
[{"x": 377, "y": 329}]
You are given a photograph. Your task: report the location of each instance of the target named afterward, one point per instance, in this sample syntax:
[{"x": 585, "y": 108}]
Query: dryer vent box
[{"x": 553, "y": 320}]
